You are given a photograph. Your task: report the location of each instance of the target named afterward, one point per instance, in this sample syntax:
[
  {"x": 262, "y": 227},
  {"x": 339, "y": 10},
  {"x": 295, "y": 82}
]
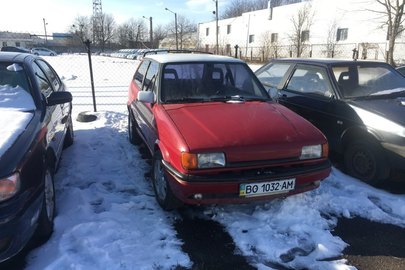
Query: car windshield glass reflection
[
  {"x": 356, "y": 81},
  {"x": 204, "y": 82}
]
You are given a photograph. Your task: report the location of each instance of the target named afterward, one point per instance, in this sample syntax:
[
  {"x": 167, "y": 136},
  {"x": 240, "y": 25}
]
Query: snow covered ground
[{"x": 107, "y": 217}]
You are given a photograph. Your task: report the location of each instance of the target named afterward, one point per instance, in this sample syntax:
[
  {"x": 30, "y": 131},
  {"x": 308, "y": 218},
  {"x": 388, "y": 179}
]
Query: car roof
[
  {"x": 325, "y": 61},
  {"x": 14, "y": 56},
  {"x": 190, "y": 57}
]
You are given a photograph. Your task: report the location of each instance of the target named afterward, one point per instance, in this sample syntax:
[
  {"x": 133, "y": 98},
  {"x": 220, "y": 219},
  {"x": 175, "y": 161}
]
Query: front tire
[
  {"x": 365, "y": 160},
  {"x": 47, "y": 214},
  {"x": 161, "y": 187}
]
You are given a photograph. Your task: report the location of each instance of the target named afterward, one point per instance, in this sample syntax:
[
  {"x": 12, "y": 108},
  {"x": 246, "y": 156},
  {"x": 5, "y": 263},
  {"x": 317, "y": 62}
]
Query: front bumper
[
  {"x": 224, "y": 188},
  {"x": 18, "y": 222}
]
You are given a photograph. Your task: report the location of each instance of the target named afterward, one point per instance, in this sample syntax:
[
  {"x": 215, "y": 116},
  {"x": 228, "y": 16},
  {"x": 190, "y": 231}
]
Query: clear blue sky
[{"x": 28, "y": 15}]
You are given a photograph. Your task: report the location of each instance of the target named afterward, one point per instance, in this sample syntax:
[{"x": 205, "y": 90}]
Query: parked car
[
  {"x": 358, "y": 105},
  {"x": 401, "y": 69},
  {"x": 14, "y": 49},
  {"x": 43, "y": 51},
  {"x": 215, "y": 134},
  {"x": 35, "y": 125}
]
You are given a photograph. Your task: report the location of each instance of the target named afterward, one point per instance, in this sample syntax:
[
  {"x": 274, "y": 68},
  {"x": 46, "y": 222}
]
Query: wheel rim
[
  {"x": 363, "y": 164},
  {"x": 49, "y": 195},
  {"x": 159, "y": 180}
]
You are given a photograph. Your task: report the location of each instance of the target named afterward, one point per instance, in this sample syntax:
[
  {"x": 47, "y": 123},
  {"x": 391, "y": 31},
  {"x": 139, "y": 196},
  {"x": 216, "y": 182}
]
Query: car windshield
[
  {"x": 368, "y": 80},
  {"x": 199, "y": 82}
]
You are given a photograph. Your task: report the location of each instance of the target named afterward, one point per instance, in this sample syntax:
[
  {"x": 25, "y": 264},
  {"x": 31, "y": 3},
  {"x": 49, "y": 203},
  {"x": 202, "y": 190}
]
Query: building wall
[{"x": 364, "y": 31}]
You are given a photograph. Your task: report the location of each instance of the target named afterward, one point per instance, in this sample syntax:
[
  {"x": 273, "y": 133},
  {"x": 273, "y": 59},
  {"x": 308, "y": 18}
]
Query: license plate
[{"x": 266, "y": 188}]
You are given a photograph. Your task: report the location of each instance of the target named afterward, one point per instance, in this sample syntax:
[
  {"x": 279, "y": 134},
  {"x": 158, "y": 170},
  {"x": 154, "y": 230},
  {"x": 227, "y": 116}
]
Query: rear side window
[{"x": 140, "y": 73}]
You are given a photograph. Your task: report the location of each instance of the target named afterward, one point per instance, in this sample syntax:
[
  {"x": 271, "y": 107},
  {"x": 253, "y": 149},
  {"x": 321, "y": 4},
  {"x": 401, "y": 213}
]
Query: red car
[{"x": 215, "y": 134}]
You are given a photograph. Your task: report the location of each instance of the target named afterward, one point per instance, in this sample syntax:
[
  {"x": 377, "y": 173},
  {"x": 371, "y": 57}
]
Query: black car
[
  {"x": 35, "y": 125},
  {"x": 358, "y": 105},
  {"x": 14, "y": 49}
]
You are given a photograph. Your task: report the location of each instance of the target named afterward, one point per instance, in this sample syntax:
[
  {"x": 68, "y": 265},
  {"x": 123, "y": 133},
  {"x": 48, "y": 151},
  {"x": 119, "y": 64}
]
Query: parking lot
[{"x": 108, "y": 218}]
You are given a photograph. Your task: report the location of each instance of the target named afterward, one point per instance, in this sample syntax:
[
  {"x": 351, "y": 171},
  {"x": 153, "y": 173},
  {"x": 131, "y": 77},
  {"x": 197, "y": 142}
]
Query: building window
[
  {"x": 251, "y": 38},
  {"x": 342, "y": 34},
  {"x": 274, "y": 37},
  {"x": 305, "y": 35},
  {"x": 18, "y": 44},
  {"x": 228, "y": 29},
  {"x": 4, "y": 44},
  {"x": 207, "y": 31}
]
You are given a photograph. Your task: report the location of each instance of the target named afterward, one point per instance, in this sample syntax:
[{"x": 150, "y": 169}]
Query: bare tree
[
  {"x": 236, "y": 7},
  {"x": 159, "y": 33},
  {"x": 131, "y": 33},
  {"x": 81, "y": 28},
  {"x": 331, "y": 39},
  {"x": 184, "y": 27},
  {"x": 393, "y": 19},
  {"x": 302, "y": 23}
]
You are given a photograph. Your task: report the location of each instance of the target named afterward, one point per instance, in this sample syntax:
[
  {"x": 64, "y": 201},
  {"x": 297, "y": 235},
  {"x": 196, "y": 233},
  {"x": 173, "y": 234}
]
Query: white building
[{"x": 337, "y": 28}]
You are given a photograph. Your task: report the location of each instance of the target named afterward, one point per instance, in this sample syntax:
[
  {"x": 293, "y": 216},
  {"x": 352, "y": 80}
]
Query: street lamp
[
  {"x": 216, "y": 29},
  {"x": 45, "y": 24},
  {"x": 175, "y": 25},
  {"x": 150, "y": 30}
]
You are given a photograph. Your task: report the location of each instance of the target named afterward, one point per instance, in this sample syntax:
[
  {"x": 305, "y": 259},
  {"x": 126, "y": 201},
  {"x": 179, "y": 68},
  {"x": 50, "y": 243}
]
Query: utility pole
[
  {"x": 150, "y": 31},
  {"x": 46, "y": 36},
  {"x": 216, "y": 26},
  {"x": 175, "y": 25}
]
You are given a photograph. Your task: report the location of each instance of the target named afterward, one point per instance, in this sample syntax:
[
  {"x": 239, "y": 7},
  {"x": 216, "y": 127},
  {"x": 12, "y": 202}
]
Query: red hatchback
[{"x": 215, "y": 134}]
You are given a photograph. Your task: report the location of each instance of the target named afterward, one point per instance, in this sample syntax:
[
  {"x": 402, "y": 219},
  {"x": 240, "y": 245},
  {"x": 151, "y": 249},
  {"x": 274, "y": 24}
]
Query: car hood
[
  {"x": 12, "y": 125},
  {"x": 392, "y": 109},
  {"x": 250, "y": 131}
]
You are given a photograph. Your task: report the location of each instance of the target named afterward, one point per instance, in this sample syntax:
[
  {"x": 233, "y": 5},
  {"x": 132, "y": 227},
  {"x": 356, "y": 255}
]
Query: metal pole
[
  {"x": 150, "y": 31},
  {"x": 87, "y": 43},
  {"x": 216, "y": 29},
  {"x": 175, "y": 25},
  {"x": 46, "y": 36}
]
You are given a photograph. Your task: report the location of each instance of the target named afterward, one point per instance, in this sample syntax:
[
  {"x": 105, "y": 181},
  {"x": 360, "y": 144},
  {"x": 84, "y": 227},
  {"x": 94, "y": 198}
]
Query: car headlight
[
  {"x": 202, "y": 161},
  {"x": 314, "y": 151},
  {"x": 9, "y": 186}
]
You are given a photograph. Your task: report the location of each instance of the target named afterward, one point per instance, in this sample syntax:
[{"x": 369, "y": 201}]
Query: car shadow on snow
[
  {"x": 372, "y": 245},
  {"x": 206, "y": 242}
]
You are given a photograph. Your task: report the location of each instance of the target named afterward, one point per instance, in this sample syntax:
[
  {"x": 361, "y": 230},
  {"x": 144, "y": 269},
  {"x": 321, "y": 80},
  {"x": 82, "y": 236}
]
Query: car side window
[
  {"x": 150, "y": 78},
  {"x": 51, "y": 74},
  {"x": 42, "y": 82},
  {"x": 140, "y": 73},
  {"x": 310, "y": 80}
]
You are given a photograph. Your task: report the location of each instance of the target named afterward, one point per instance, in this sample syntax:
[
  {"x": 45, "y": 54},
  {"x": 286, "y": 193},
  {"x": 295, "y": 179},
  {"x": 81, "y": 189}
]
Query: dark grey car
[{"x": 358, "y": 105}]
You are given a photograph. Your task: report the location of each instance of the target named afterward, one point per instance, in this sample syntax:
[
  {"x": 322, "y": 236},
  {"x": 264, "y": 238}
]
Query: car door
[
  {"x": 144, "y": 112},
  {"x": 309, "y": 92},
  {"x": 56, "y": 115}
]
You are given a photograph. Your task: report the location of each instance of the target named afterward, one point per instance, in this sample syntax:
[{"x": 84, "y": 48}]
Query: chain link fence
[{"x": 112, "y": 77}]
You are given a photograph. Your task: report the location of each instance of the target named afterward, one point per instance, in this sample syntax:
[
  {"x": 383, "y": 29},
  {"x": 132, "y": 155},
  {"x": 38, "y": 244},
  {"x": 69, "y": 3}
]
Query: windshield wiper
[
  {"x": 238, "y": 98},
  {"x": 186, "y": 100}
]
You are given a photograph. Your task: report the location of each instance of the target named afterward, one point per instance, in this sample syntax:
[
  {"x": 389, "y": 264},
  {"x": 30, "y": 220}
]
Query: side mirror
[
  {"x": 59, "y": 98},
  {"x": 273, "y": 92},
  {"x": 146, "y": 96}
]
